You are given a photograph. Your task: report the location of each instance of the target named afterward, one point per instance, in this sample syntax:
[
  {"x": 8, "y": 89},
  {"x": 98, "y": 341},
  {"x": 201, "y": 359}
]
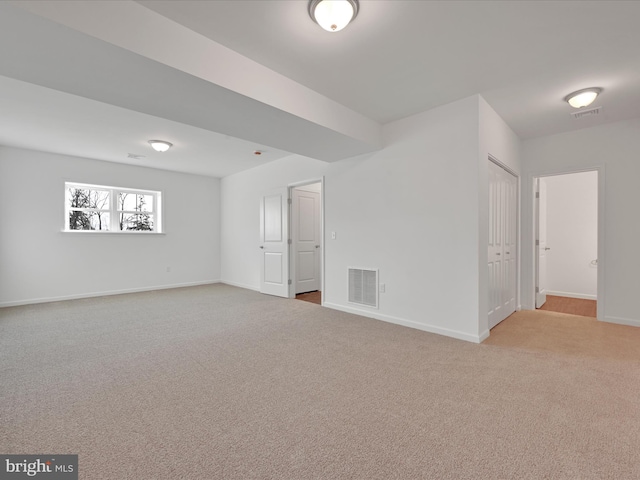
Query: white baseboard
[
  {"x": 484, "y": 335},
  {"x": 621, "y": 321},
  {"x": 240, "y": 285},
  {"x": 410, "y": 323},
  {"x": 104, "y": 294},
  {"x": 572, "y": 295}
]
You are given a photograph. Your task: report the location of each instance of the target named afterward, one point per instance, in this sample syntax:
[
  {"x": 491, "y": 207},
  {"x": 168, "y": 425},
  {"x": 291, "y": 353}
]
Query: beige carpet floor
[{"x": 216, "y": 382}]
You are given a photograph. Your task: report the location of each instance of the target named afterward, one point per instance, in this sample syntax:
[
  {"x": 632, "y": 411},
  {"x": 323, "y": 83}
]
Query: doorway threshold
[{"x": 311, "y": 297}]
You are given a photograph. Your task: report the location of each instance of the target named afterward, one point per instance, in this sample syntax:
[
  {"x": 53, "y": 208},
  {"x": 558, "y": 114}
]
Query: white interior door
[
  {"x": 274, "y": 254},
  {"x": 305, "y": 224},
  {"x": 541, "y": 242},
  {"x": 502, "y": 248}
]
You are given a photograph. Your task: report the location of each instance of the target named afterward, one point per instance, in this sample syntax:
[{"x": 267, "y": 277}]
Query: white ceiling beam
[{"x": 271, "y": 108}]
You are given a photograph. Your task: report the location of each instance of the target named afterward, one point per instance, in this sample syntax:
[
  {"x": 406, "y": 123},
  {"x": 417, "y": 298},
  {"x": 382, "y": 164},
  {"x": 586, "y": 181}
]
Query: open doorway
[
  {"x": 306, "y": 242},
  {"x": 567, "y": 243},
  {"x": 291, "y": 240}
]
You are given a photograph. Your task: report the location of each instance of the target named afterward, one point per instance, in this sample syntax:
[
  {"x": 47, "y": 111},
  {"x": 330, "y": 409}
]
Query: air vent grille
[
  {"x": 363, "y": 287},
  {"x": 587, "y": 113}
]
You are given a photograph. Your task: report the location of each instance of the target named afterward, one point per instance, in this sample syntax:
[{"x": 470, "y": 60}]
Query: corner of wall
[{"x": 498, "y": 141}]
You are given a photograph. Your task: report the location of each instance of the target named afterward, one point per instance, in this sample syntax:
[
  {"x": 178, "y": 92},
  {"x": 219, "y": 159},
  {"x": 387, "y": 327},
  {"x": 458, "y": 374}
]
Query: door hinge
[
  {"x": 289, "y": 241},
  {"x": 289, "y": 201},
  {"x": 537, "y": 290},
  {"x": 537, "y": 194},
  {"x": 537, "y": 243},
  {"x": 289, "y": 281}
]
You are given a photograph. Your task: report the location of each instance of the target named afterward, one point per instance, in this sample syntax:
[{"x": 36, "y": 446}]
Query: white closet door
[{"x": 502, "y": 248}]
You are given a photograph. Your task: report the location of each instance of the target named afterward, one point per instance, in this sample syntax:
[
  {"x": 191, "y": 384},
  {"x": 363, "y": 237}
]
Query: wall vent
[
  {"x": 363, "y": 286},
  {"x": 587, "y": 113}
]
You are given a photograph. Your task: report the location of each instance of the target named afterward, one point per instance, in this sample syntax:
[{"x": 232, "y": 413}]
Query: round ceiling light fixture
[
  {"x": 583, "y": 98},
  {"x": 333, "y": 15},
  {"x": 160, "y": 145}
]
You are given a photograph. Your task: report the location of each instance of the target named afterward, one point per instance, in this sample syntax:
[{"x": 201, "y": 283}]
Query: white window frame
[{"x": 113, "y": 211}]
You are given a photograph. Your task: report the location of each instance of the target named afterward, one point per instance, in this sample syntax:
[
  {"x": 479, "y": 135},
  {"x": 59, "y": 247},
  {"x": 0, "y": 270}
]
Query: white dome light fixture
[
  {"x": 333, "y": 15},
  {"x": 583, "y": 98},
  {"x": 160, "y": 145}
]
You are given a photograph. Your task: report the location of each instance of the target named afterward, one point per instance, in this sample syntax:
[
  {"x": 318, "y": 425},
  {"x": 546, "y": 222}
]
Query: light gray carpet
[{"x": 216, "y": 382}]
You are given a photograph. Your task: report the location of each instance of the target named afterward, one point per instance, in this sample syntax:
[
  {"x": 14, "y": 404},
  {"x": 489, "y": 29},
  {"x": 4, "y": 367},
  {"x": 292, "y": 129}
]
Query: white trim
[
  {"x": 105, "y": 293},
  {"x": 503, "y": 166},
  {"x": 113, "y": 211},
  {"x": 519, "y": 203},
  {"x": 292, "y": 277},
  {"x": 111, "y": 232},
  {"x": 621, "y": 321},
  {"x": 601, "y": 243},
  {"x": 93, "y": 186},
  {"x": 483, "y": 336},
  {"x": 241, "y": 285},
  {"x": 584, "y": 296},
  {"x": 306, "y": 182},
  {"x": 600, "y": 169},
  {"x": 410, "y": 323}
]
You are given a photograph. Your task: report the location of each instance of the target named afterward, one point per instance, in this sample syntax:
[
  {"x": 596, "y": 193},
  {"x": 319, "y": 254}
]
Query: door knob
[
  {"x": 317, "y": 246},
  {"x": 508, "y": 253},
  {"x": 498, "y": 253},
  {"x": 261, "y": 246},
  {"x": 547, "y": 248}
]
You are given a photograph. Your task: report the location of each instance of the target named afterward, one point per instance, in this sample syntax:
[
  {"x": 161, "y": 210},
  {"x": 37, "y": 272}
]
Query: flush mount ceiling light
[
  {"x": 333, "y": 15},
  {"x": 160, "y": 145},
  {"x": 583, "y": 97}
]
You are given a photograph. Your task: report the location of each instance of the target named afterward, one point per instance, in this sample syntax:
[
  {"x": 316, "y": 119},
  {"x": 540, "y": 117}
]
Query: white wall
[
  {"x": 613, "y": 150},
  {"x": 312, "y": 187},
  {"x": 410, "y": 210},
  {"x": 240, "y": 221},
  {"x": 572, "y": 234},
  {"x": 496, "y": 139},
  {"x": 38, "y": 262}
]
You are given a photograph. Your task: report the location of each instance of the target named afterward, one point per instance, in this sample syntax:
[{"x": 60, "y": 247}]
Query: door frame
[
  {"x": 292, "y": 270},
  {"x": 600, "y": 297},
  {"x": 537, "y": 200}
]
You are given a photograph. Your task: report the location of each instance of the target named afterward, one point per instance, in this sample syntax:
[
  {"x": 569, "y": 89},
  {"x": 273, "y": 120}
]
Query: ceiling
[{"x": 221, "y": 79}]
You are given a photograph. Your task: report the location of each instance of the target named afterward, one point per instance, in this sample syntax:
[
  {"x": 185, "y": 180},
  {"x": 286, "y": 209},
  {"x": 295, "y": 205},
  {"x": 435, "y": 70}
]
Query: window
[{"x": 111, "y": 209}]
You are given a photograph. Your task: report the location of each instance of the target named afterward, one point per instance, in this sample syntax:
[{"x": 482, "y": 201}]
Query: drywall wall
[
  {"x": 612, "y": 149},
  {"x": 572, "y": 234},
  {"x": 409, "y": 210},
  {"x": 498, "y": 141},
  {"x": 39, "y": 262},
  {"x": 240, "y": 217}
]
